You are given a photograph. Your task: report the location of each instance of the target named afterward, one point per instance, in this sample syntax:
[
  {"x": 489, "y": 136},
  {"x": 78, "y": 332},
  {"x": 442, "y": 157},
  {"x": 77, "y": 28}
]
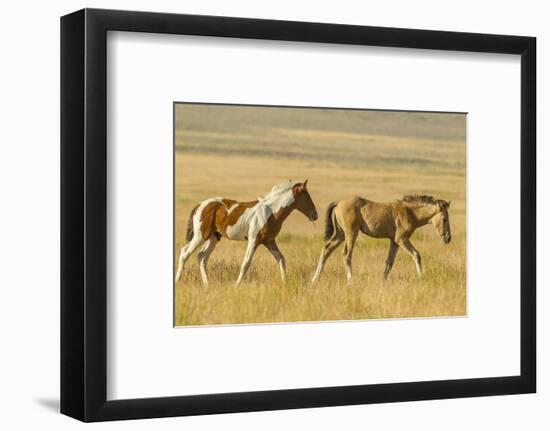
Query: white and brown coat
[{"x": 258, "y": 222}]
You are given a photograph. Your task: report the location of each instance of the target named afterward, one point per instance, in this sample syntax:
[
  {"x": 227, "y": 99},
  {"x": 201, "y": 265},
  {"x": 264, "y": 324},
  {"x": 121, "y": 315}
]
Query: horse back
[
  {"x": 379, "y": 219},
  {"x": 231, "y": 221}
]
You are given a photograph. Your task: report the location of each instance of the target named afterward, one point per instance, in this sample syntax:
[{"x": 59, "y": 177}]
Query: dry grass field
[{"x": 241, "y": 152}]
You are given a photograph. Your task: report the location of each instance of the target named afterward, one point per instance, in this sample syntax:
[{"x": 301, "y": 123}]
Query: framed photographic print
[{"x": 262, "y": 215}]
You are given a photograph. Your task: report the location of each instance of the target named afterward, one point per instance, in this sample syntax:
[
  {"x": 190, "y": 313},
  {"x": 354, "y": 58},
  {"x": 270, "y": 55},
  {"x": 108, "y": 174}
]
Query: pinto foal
[
  {"x": 396, "y": 221},
  {"x": 258, "y": 222}
]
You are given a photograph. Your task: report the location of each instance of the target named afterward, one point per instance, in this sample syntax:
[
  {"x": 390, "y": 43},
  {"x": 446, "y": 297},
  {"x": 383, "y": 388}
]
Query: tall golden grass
[{"x": 385, "y": 167}]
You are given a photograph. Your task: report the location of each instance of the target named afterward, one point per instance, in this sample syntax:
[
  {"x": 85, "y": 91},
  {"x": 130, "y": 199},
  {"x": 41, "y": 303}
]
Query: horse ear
[
  {"x": 305, "y": 184},
  {"x": 448, "y": 204}
]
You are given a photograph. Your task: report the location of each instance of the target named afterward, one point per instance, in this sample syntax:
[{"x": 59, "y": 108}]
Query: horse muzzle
[{"x": 313, "y": 216}]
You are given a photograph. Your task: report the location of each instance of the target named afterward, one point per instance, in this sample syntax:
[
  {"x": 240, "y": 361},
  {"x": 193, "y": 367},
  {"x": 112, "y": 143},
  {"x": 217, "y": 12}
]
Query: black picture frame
[{"x": 84, "y": 214}]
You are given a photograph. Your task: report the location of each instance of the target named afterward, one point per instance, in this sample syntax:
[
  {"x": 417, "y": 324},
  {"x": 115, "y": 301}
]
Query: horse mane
[
  {"x": 279, "y": 188},
  {"x": 419, "y": 199},
  {"x": 422, "y": 199}
]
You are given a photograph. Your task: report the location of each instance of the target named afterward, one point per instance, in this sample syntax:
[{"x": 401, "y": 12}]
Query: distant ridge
[{"x": 418, "y": 125}]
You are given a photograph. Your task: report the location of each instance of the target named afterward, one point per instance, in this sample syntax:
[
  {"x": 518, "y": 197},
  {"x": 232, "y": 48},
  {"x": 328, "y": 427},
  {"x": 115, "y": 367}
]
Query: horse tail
[
  {"x": 190, "y": 229},
  {"x": 330, "y": 221}
]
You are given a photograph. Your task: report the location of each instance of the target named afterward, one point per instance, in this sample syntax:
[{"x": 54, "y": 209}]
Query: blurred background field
[{"x": 241, "y": 152}]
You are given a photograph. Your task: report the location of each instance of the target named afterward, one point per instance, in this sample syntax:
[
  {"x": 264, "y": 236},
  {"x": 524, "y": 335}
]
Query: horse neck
[
  {"x": 284, "y": 212},
  {"x": 424, "y": 213},
  {"x": 281, "y": 205}
]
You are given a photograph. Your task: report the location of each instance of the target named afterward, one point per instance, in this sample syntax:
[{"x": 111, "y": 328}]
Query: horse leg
[
  {"x": 204, "y": 254},
  {"x": 274, "y": 250},
  {"x": 348, "y": 251},
  {"x": 392, "y": 252},
  {"x": 180, "y": 263},
  {"x": 185, "y": 252},
  {"x": 329, "y": 247},
  {"x": 406, "y": 245},
  {"x": 250, "y": 249}
]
